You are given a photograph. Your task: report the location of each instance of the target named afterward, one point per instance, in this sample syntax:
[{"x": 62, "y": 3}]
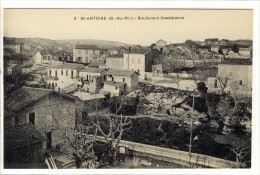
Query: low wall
[{"x": 176, "y": 156}]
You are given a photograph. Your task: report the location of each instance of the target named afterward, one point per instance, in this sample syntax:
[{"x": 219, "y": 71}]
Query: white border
[{"x": 254, "y": 170}]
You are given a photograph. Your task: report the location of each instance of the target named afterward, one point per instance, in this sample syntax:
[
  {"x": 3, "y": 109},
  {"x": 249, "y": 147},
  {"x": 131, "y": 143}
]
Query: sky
[{"x": 194, "y": 24}]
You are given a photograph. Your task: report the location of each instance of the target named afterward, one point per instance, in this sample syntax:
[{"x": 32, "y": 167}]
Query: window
[
  {"x": 55, "y": 84},
  {"x": 116, "y": 87},
  {"x": 123, "y": 79},
  {"x": 138, "y": 71},
  {"x": 56, "y": 74},
  {"x": 61, "y": 72},
  {"x": 66, "y": 72},
  {"x": 16, "y": 121},
  {"x": 240, "y": 82},
  {"x": 32, "y": 118},
  {"x": 72, "y": 73},
  {"x": 50, "y": 72},
  {"x": 112, "y": 78},
  {"x": 49, "y": 57}
]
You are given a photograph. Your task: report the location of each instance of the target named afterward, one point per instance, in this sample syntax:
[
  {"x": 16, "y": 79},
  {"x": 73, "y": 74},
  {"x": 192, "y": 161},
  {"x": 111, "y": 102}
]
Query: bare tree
[
  {"x": 116, "y": 126},
  {"x": 241, "y": 151}
]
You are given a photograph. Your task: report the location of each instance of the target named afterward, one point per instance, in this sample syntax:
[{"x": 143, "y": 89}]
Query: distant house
[
  {"x": 11, "y": 57},
  {"x": 121, "y": 50},
  {"x": 214, "y": 49},
  {"x": 160, "y": 44},
  {"x": 52, "y": 113},
  {"x": 16, "y": 47},
  {"x": 120, "y": 81},
  {"x": 246, "y": 52},
  {"x": 44, "y": 56},
  {"x": 115, "y": 61},
  {"x": 91, "y": 79},
  {"x": 60, "y": 76},
  {"x": 238, "y": 72},
  {"x": 112, "y": 51},
  {"x": 23, "y": 145},
  {"x": 85, "y": 53},
  {"x": 63, "y": 56},
  {"x": 139, "y": 60}
]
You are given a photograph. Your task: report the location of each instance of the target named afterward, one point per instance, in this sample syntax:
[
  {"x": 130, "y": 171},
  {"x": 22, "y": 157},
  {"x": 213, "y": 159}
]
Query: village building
[
  {"x": 52, "y": 113},
  {"x": 86, "y": 53},
  {"x": 115, "y": 61},
  {"x": 63, "y": 56},
  {"x": 139, "y": 60},
  {"x": 44, "y": 56},
  {"x": 16, "y": 47},
  {"x": 24, "y": 144},
  {"x": 160, "y": 44},
  {"x": 61, "y": 76},
  {"x": 119, "y": 82},
  {"x": 238, "y": 73},
  {"x": 91, "y": 79},
  {"x": 246, "y": 52},
  {"x": 112, "y": 51},
  {"x": 121, "y": 50},
  {"x": 214, "y": 49}
]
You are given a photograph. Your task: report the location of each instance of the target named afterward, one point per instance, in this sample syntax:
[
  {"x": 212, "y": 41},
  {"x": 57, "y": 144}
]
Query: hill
[{"x": 64, "y": 44}]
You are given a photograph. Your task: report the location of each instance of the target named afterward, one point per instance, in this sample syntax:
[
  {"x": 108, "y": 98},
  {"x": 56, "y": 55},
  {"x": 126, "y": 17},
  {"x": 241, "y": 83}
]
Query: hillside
[{"x": 65, "y": 44}]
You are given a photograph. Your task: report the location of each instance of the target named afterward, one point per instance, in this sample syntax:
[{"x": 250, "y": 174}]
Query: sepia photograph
[{"x": 127, "y": 88}]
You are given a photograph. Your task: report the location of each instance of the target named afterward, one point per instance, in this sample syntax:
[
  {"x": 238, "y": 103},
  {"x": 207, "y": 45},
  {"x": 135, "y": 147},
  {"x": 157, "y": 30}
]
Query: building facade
[
  {"x": 86, "y": 53},
  {"x": 44, "y": 56},
  {"x": 52, "y": 113}
]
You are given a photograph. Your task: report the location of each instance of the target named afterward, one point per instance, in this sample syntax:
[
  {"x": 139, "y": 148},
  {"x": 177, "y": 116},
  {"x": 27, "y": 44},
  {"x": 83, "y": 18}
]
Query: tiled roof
[
  {"x": 142, "y": 50},
  {"x": 120, "y": 72},
  {"x": 244, "y": 49},
  {"x": 45, "y": 52},
  {"x": 92, "y": 69},
  {"x": 22, "y": 135},
  {"x": 70, "y": 66},
  {"x": 238, "y": 61},
  {"x": 91, "y": 47},
  {"x": 115, "y": 56},
  {"x": 24, "y": 96},
  {"x": 87, "y": 96}
]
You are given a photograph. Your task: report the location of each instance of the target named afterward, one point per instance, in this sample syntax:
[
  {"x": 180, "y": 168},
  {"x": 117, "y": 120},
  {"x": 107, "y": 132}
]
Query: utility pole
[{"x": 191, "y": 127}]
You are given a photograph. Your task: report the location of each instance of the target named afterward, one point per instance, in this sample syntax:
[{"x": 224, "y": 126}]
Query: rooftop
[
  {"x": 44, "y": 52},
  {"x": 70, "y": 66},
  {"x": 120, "y": 72},
  {"x": 91, "y": 47},
  {"x": 142, "y": 50},
  {"x": 92, "y": 69},
  {"x": 238, "y": 61},
  {"x": 22, "y": 135},
  {"x": 115, "y": 56},
  {"x": 87, "y": 96},
  {"x": 25, "y": 96}
]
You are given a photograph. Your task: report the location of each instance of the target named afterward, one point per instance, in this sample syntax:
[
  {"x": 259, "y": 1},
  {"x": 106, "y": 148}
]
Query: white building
[
  {"x": 44, "y": 56},
  {"x": 120, "y": 81},
  {"x": 86, "y": 53},
  {"x": 61, "y": 76}
]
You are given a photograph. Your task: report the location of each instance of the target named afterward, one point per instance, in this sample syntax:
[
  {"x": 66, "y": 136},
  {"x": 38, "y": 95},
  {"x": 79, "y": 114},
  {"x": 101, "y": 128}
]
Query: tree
[
  {"x": 116, "y": 126},
  {"x": 235, "y": 48},
  {"x": 242, "y": 153}
]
